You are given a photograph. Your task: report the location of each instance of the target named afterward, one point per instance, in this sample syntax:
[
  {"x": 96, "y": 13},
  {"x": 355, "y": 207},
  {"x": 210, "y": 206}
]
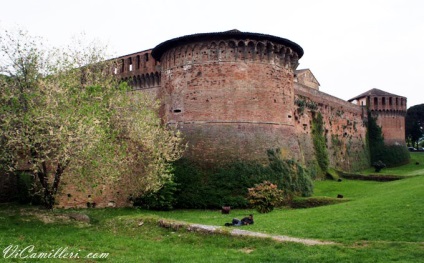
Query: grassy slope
[
  {"x": 117, "y": 232},
  {"x": 410, "y": 169},
  {"x": 391, "y": 211},
  {"x": 383, "y": 222}
]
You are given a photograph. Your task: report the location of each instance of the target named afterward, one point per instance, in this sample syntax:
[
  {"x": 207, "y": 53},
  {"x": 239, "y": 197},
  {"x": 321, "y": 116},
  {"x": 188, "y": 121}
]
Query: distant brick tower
[
  {"x": 390, "y": 111},
  {"x": 231, "y": 93}
]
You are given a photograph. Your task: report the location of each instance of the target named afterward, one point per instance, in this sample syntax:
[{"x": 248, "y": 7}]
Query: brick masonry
[{"x": 233, "y": 96}]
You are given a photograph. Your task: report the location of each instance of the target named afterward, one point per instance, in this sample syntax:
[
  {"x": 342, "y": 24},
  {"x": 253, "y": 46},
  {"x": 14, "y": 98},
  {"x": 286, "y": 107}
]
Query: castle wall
[
  {"x": 76, "y": 193},
  {"x": 392, "y": 125},
  {"x": 140, "y": 70},
  {"x": 232, "y": 100},
  {"x": 389, "y": 110},
  {"x": 233, "y": 96},
  {"x": 225, "y": 118},
  {"x": 345, "y": 131},
  {"x": 136, "y": 64}
]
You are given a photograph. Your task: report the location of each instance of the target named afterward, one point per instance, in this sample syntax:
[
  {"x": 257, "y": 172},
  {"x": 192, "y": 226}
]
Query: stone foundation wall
[{"x": 75, "y": 192}]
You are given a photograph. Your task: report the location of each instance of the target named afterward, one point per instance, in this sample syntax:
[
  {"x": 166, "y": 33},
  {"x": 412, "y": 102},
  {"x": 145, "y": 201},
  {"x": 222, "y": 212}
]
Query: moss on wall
[{"x": 320, "y": 145}]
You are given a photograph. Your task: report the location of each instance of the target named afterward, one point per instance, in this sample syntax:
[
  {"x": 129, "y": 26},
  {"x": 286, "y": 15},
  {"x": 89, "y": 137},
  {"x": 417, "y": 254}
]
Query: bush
[
  {"x": 265, "y": 196},
  {"x": 378, "y": 166},
  {"x": 391, "y": 155},
  {"x": 395, "y": 155},
  {"x": 205, "y": 187},
  {"x": 161, "y": 200}
]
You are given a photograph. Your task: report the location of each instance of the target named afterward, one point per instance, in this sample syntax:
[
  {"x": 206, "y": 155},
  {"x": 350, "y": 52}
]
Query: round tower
[{"x": 230, "y": 93}]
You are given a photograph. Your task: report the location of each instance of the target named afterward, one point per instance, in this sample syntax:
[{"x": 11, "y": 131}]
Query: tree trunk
[
  {"x": 58, "y": 175},
  {"x": 50, "y": 194},
  {"x": 48, "y": 197}
]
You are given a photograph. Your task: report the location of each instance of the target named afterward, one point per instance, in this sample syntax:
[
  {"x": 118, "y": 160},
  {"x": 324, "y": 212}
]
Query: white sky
[{"x": 351, "y": 46}]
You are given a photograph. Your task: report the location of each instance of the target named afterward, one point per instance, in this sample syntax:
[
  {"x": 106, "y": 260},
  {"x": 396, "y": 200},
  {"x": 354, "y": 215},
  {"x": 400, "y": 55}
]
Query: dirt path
[{"x": 239, "y": 232}]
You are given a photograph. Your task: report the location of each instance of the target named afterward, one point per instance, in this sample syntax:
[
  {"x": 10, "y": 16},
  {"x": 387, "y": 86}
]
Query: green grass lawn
[
  {"x": 381, "y": 222},
  {"x": 380, "y": 212},
  {"x": 410, "y": 169}
]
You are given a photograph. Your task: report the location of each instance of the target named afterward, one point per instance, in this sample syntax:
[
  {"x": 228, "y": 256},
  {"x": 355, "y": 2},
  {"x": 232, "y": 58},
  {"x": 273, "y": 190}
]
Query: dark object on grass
[
  {"x": 339, "y": 180},
  {"x": 225, "y": 209},
  {"x": 417, "y": 163},
  {"x": 244, "y": 222},
  {"x": 378, "y": 166},
  {"x": 339, "y": 196}
]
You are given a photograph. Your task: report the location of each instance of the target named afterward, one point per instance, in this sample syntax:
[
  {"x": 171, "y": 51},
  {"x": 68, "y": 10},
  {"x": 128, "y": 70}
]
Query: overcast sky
[{"x": 350, "y": 46}]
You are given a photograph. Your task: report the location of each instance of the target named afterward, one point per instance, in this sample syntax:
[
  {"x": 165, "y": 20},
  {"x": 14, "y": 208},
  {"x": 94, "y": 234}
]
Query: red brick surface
[{"x": 235, "y": 98}]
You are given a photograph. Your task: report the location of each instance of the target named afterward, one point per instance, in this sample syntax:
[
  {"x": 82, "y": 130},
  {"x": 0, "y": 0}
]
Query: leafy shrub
[
  {"x": 378, "y": 166},
  {"x": 265, "y": 196},
  {"x": 226, "y": 185},
  {"x": 203, "y": 187},
  {"x": 395, "y": 155},
  {"x": 161, "y": 200}
]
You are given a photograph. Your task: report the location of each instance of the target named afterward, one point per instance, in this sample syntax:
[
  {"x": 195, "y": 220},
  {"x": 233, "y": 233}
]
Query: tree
[
  {"x": 414, "y": 123},
  {"x": 380, "y": 153},
  {"x": 375, "y": 139},
  {"x": 62, "y": 108}
]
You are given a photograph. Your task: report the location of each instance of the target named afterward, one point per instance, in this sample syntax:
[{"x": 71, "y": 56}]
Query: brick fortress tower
[
  {"x": 234, "y": 95},
  {"x": 390, "y": 111},
  {"x": 231, "y": 93}
]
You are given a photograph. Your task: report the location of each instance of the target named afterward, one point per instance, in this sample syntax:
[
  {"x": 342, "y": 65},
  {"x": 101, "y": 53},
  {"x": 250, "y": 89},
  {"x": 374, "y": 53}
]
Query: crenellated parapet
[
  {"x": 377, "y": 100},
  {"x": 143, "y": 81},
  {"x": 140, "y": 70},
  {"x": 231, "y": 50},
  {"x": 387, "y": 104}
]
